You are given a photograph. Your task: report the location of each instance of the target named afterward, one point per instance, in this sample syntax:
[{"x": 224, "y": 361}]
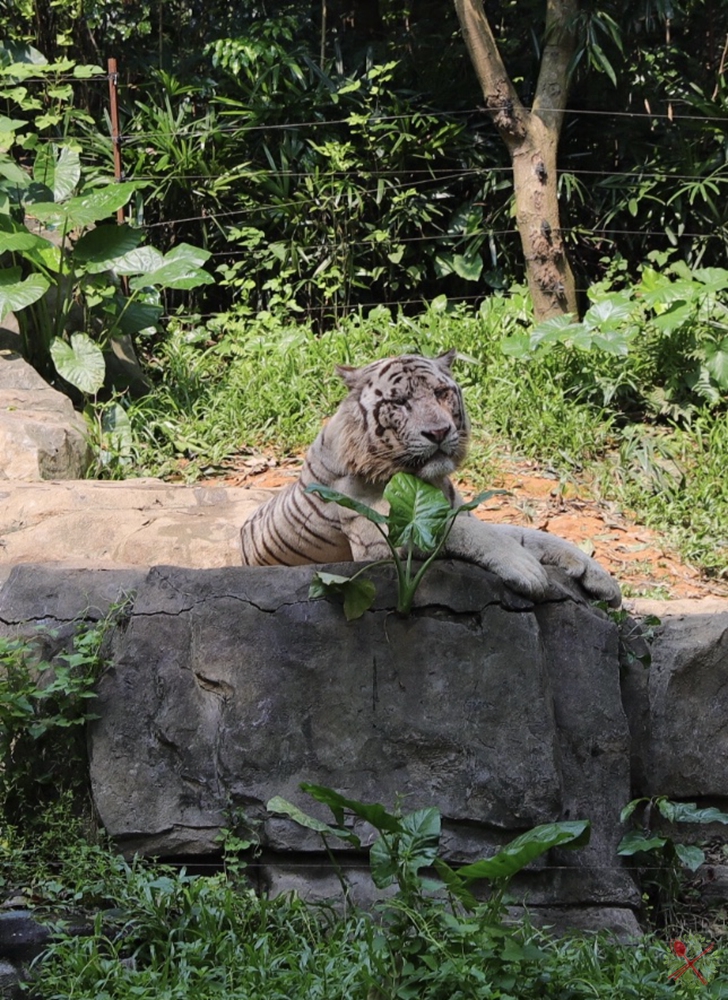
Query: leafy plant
[
  {"x": 44, "y": 706},
  {"x": 666, "y": 851},
  {"x": 417, "y": 526},
  {"x": 677, "y": 317},
  {"x": 77, "y": 286},
  {"x": 408, "y": 843}
]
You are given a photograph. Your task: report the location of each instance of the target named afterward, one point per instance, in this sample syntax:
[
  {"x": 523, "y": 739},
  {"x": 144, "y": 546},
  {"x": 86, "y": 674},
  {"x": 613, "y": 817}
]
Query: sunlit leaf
[
  {"x": 101, "y": 247},
  {"x": 81, "y": 362},
  {"x": 86, "y": 209},
  {"x": 181, "y": 268},
  {"x": 418, "y": 512},
  {"x": 16, "y": 294}
]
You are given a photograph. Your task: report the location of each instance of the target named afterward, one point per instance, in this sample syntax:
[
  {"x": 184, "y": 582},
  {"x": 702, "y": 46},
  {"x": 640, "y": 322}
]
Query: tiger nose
[{"x": 437, "y": 434}]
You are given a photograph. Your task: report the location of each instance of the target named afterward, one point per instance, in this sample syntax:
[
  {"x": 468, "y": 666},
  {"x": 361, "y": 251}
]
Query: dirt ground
[{"x": 638, "y": 557}]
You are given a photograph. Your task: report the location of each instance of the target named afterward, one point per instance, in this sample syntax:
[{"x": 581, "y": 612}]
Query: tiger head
[{"x": 402, "y": 414}]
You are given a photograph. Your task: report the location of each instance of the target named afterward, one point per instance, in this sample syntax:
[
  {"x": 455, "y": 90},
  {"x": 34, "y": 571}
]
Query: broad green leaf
[
  {"x": 358, "y": 592},
  {"x": 45, "y": 255},
  {"x": 139, "y": 316},
  {"x": 282, "y": 807},
  {"x": 13, "y": 173},
  {"x": 359, "y": 596},
  {"x": 690, "y": 855},
  {"x": 181, "y": 269},
  {"x": 194, "y": 256},
  {"x": 86, "y": 209},
  {"x": 714, "y": 278},
  {"x": 634, "y": 842},
  {"x": 470, "y": 268},
  {"x": 81, "y": 362},
  {"x": 116, "y": 428},
  {"x": 414, "y": 848},
  {"x": 85, "y": 72},
  {"x": 418, "y": 512},
  {"x": 333, "y": 496},
  {"x": 675, "y": 317},
  {"x": 22, "y": 240},
  {"x": 526, "y": 848},
  {"x": 175, "y": 275},
  {"x": 609, "y": 311},
  {"x": 517, "y": 346},
  {"x": 613, "y": 341},
  {"x": 11, "y": 124},
  {"x": 99, "y": 249},
  {"x": 375, "y": 814},
  {"x": 142, "y": 260},
  {"x": 716, "y": 361},
  {"x": 57, "y": 168},
  {"x": 689, "y": 812},
  {"x": 16, "y": 294}
]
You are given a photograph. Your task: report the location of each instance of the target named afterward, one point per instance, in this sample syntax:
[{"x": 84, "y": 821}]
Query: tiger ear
[
  {"x": 348, "y": 374},
  {"x": 445, "y": 360}
]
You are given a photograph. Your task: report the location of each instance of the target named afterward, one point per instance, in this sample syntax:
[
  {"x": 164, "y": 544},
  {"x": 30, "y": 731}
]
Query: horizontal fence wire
[{"x": 410, "y": 178}]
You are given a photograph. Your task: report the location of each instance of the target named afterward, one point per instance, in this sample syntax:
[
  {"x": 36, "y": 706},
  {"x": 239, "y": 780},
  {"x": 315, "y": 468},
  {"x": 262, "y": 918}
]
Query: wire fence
[{"x": 367, "y": 181}]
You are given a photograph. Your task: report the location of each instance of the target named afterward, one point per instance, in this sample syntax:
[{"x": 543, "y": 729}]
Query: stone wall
[{"x": 229, "y": 686}]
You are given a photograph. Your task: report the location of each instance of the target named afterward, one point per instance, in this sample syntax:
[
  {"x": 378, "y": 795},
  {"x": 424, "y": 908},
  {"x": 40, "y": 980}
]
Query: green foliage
[
  {"x": 408, "y": 843},
  {"x": 74, "y": 283},
  {"x": 156, "y": 931},
  {"x": 662, "y": 855},
  {"x": 676, "y": 318},
  {"x": 417, "y": 525},
  {"x": 597, "y": 417},
  {"x": 433, "y": 929},
  {"x": 44, "y": 706}
]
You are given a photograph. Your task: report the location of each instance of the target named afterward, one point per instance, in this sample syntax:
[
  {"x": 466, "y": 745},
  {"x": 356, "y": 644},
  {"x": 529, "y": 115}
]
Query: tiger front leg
[
  {"x": 550, "y": 550},
  {"x": 488, "y": 546}
]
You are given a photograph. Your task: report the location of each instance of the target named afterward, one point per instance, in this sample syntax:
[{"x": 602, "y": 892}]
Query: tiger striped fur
[{"x": 402, "y": 414}]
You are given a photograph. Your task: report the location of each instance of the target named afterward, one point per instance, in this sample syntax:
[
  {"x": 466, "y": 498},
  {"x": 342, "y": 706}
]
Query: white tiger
[{"x": 402, "y": 414}]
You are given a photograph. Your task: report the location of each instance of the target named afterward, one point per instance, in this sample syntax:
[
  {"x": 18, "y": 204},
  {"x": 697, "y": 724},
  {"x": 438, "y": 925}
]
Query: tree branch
[
  {"x": 501, "y": 98},
  {"x": 552, "y": 88}
]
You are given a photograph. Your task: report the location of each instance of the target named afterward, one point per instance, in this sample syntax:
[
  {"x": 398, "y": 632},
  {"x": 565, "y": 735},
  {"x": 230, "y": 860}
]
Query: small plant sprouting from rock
[{"x": 416, "y": 527}]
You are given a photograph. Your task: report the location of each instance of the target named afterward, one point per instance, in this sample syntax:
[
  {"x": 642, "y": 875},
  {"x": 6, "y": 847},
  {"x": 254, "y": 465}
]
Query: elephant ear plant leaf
[{"x": 416, "y": 528}]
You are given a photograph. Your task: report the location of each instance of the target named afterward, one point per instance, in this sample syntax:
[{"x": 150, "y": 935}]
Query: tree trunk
[{"x": 532, "y": 138}]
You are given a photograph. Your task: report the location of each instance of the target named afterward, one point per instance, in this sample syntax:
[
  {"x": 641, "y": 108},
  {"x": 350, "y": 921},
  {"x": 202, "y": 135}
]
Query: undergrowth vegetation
[{"x": 156, "y": 932}]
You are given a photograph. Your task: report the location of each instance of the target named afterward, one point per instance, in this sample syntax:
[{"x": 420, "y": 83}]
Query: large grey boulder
[
  {"x": 230, "y": 686},
  {"x": 41, "y": 435},
  {"x": 678, "y": 707}
]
